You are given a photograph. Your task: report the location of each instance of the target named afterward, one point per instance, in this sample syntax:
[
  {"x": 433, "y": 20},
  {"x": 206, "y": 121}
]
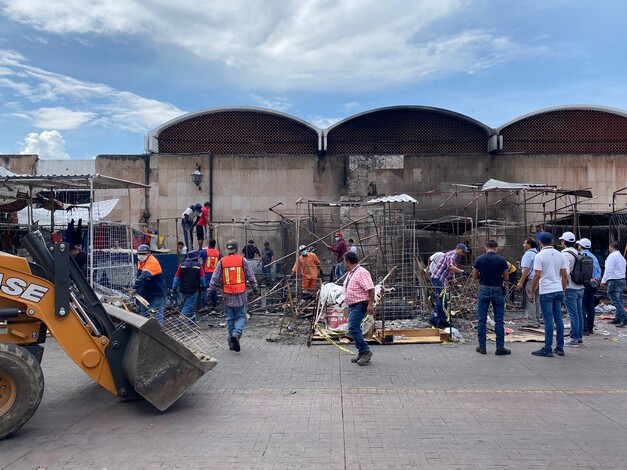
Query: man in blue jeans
[
  {"x": 573, "y": 297},
  {"x": 550, "y": 274},
  {"x": 491, "y": 269},
  {"x": 614, "y": 277},
  {"x": 359, "y": 295},
  {"x": 232, "y": 273}
]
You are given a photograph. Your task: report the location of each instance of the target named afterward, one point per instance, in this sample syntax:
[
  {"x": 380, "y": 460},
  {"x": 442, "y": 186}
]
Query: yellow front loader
[{"x": 126, "y": 353}]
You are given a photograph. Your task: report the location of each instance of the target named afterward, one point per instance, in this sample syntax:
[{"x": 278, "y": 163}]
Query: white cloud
[
  {"x": 59, "y": 118},
  {"x": 107, "y": 106},
  {"x": 322, "y": 122},
  {"x": 313, "y": 45},
  {"x": 276, "y": 103},
  {"x": 49, "y": 145}
]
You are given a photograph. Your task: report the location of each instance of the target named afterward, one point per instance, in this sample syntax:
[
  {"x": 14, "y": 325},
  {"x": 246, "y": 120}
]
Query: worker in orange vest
[
  {"x": 232, "y": 273},
  {"x": 211, "y": 258}
]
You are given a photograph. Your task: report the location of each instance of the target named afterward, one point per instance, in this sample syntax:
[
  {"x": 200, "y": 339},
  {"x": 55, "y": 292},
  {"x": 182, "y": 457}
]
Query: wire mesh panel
[
  {"x": 113, "y": 267},
  {"x": 567, "y": 131},
  {"x": 407, "y": 130}
]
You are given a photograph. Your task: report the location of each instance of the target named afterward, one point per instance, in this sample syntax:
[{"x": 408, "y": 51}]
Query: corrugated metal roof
[
  {"x": 395, "y": 198},
  {"x": 83, "y": 182}
]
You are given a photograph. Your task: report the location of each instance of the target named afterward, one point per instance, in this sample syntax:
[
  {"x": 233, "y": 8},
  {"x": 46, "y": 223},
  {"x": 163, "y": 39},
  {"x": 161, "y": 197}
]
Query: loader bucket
[{"x": 156, "y": 365}]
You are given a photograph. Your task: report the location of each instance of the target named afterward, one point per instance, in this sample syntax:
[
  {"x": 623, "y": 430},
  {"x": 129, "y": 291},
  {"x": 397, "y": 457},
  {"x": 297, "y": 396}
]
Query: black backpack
[{"x": 583, "y": 268}]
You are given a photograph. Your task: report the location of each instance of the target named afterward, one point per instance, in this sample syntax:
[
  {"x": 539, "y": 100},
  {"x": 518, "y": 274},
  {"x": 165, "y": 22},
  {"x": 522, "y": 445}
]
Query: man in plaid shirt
[
  {"x": 359, "y": 295},
  {"x": 443, "y": 273}
]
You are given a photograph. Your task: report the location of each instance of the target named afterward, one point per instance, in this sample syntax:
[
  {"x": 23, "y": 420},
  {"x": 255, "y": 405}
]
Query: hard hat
[
  {"x": 143, "y": 249},
  {"x": 302, "y": 247}
]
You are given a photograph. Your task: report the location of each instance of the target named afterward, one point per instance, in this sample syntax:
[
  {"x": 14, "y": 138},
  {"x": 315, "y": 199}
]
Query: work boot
[
  {"x": 355, "y": 358},
  {"x": 622, "y": 324},
  {"x": 235, "y": 341},
  {"x": 481, "y": 350},
  {"x": 503, "y": 352},
  {"x": 365, "y": 358}
]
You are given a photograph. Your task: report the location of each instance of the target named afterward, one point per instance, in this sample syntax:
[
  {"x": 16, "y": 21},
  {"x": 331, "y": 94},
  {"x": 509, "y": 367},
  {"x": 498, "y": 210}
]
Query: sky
[{"x": 81, "y": 78}]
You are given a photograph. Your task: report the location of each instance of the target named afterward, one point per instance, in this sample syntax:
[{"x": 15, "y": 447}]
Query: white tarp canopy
[
  {"x": 496, "y": 184},
  {"x": 396, "y": 198},
  {"x": 61, "y": 217}
]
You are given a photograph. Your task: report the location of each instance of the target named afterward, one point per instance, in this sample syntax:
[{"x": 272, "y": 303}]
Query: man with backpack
[
  {"x": 573, "y": 296},
  {"x": 590, "y": 287}
]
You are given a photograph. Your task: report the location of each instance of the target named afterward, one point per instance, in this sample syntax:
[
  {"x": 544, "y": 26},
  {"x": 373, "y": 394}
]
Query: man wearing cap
[
  {"x": 550, "y": 275},
  {"x": 189, "y": 279},
  {"x": 614, "y": 277},
  {"x": 266, "y": 260},
  {"x": 189, "y": 219},
  {"x": 533, "y": 313},
  {"x": 492, "y": 270},
  {"x": 202, "y": 224},
  {"x": 210, "y": 261},
  {"x": 573, "y": 297},
  {"x": 232, "y": 273},
  {"x": 150, "y": 283},
  {"x": 443, "y": 273},
  {"x": 589, "y": 288},
  {"x": 309, "y": 266},
  {"x": 339, "y": 249}
]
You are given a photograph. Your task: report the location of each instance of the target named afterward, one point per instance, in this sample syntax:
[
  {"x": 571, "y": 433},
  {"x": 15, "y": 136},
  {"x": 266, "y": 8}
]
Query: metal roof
[{"x": 81, "y": 182}]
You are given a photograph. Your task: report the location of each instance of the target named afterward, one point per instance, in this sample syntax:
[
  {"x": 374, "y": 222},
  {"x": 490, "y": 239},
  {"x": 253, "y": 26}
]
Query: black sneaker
[
  {"x": 355, "y": 358},
  {"x": 614, "y": 322},
  {"x": 235, "y": 342},
  {"x": 365, "y": 358},
  {"x": 559, "y": 352},
  {"x": 622, "y": 324},
  {"x": 503, "y": 352},
  {"x": 542, "y": 353},
  {"x": 481, "y": 350}
]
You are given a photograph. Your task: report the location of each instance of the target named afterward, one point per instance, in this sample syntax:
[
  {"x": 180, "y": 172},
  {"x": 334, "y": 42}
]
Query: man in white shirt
[
  {"x": 573, "y": 297},
  {"x": 532, "y": 309},
  {"x": 550, "y": 274},
  {"x": 614, "y": 277}
]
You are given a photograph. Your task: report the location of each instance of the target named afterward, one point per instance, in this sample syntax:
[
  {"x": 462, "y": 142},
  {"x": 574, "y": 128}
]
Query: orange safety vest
[
  {"x": 213, "y": 256},
  {"x": 233, "y": 276}
]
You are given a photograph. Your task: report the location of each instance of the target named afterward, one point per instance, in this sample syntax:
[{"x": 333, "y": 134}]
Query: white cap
[
  {"x": 568, "y": 237},
  {"x": 585, "y": 243}
]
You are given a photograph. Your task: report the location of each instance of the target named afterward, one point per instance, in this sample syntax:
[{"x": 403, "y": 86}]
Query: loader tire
[{"x": 21, "y": 387}]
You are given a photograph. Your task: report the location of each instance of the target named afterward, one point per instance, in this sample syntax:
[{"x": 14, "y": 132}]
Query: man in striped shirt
[
  {"x": 443, "y": 273},
  {"x": 359, "y": 295}
]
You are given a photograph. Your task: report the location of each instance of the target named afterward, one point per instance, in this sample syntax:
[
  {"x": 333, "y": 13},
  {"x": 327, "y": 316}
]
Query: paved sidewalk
[{"x": 279, "y": 406}]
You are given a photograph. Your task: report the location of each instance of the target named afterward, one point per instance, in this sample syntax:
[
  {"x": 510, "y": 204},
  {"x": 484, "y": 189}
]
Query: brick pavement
[{"x": 281, "y": 406}]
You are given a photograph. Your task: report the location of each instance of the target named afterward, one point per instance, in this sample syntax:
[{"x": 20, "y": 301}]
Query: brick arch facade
[
  {"x": 567, "y": 131},
  {"x": 407, "y": 130},
  {"x": 237, "y": 131}
]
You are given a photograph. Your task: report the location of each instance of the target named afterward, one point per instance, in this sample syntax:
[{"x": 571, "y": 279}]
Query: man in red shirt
[
  {"x": 202, "y": 227},
  {"x": 339, "y": 249},
  {"x": 359, "y": 295}
]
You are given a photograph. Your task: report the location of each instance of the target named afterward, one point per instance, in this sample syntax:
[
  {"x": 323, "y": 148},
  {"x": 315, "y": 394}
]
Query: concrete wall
[
  {"x": 415, "y": 174},
  {"x": 243, "y": 186},
  {"x": 130, "y": 168},
  {"x": 19, "y": 164}
]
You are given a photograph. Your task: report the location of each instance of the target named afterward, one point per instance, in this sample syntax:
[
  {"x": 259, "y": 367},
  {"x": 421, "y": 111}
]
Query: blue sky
[{"x": 80, "y": 78}]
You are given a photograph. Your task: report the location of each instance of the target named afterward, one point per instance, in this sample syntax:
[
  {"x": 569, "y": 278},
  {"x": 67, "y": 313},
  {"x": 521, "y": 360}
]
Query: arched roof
[
  {"x": 567, "y": 129},
  {"x": 407, "y": 130},
  {"x": 235, "y": 130}
]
